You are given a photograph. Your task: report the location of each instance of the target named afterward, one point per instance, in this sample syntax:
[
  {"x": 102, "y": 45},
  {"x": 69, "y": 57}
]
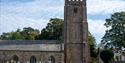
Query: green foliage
[
  {"x": 26, "y": 34},
  {"x": 16, "y": 36},
  {"x": 5, "y": 36},
  {"x": 53, "y": 30},
  {"x": 92, "y": 45},
  {"x": 115, "y": 34},
  {"x": 29, "y": 33},
  {"x": 123, "y": 53},
  {"x": 107, "y": 56}
]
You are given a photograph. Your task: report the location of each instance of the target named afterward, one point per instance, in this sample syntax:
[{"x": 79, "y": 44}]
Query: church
[{"x": 73, "y": 49}]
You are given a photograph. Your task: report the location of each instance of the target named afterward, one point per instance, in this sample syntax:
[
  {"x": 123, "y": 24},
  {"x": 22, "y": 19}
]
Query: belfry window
[{"x": 75, "y": 10}]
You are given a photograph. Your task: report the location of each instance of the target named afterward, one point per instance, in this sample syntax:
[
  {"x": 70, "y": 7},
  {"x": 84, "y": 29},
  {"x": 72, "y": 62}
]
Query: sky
[{"x": 16, "y": 14}]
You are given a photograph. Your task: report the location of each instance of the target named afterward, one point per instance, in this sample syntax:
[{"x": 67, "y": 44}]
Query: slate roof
[
  {"x": 27, "y": 42},
  {"x": 31, "y": 45}
]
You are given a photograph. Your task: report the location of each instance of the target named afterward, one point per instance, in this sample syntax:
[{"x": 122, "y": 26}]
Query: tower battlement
[{"x": 75, "y": 2}]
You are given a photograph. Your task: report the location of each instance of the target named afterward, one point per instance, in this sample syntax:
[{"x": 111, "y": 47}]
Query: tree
[
  {"x": 53, "y": 30},
  {"x": 93, "y": 49},
  {"x": 92, "y": 45},
  {"x": 107, "y": 56},
  {"x": 27, "y": 33},
  {"x": 115, "y": 33},
  {"x": 123, "y": 53},
  {"x": 5, "y": 36},
  {"x": 16, "y": 36}
]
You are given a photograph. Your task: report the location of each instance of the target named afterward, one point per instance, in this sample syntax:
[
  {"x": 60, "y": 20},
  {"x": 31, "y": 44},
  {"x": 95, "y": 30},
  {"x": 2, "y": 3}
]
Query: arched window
[
  {"x": 51, "y": 59},
  {"x": 32, "y": 59},
  {"x": 15, "y": 59}
]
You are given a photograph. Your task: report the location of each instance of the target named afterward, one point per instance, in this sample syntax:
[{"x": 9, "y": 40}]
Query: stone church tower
[{"x": 76, "y": 32}]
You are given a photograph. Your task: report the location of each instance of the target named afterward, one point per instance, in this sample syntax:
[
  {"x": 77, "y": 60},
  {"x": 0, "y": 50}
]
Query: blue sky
[{"x": 36, "y": 13}]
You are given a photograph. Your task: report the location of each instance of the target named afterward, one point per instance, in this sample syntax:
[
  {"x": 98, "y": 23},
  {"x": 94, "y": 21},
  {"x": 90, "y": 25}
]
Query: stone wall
[{"x": 24, "y": 56}]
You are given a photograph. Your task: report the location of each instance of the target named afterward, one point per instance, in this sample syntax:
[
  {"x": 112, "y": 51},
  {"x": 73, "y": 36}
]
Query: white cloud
[
  {"x": 18, "y": 22},
  {"x": 105, "y": 6},
  {"x": 36, "y": 8},
  {"x": 37, "y": 13},
  {"x": 97, "y": 28},
  {"x": 39, "y": 7},
  {"x": 32, "y": 14}
]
